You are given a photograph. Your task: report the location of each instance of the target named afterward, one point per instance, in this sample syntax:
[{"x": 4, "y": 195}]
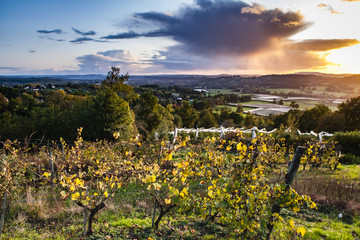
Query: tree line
[{"x": 115, "y": 106}]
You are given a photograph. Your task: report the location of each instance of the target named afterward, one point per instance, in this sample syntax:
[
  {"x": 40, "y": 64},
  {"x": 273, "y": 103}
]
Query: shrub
[
  {"x": 349, "y": 159},
  {"x": 349, "y": 141}
]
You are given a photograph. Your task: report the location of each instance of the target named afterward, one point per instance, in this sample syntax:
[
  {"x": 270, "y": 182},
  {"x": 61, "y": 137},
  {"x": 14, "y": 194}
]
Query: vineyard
[{"x": 234, "y": 187}]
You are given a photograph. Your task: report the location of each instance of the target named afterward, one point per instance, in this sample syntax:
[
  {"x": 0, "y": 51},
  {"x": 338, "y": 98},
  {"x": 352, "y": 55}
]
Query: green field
[
  {"x": 213, "y": 92},
  {"x": 319, "y": 91}
]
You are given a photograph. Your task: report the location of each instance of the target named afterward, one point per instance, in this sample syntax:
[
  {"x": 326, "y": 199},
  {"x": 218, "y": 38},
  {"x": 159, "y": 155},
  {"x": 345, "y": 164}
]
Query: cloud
[
  {"x": 57, "y": 31},
  {"x": 85, "y": 39},
  {"x": 89, "y": 33},
  {"x": 231, "y": 35},
  {"x": 102, "y": 61},
  {"x": 31, "y": 51},
  {"x": 319, "y": 45},
  {"x": 10, "y": 68},
  {"x": 52, "y": 39},
  {"x": 328, "y": 8},
  {"x": 214, "y": 28},
  {"x": 125, "y": 35}
]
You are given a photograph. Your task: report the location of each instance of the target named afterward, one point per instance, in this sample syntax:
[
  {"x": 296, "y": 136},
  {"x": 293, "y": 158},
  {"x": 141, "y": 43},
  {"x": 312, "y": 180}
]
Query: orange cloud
[{"x": 320, "y": 45}]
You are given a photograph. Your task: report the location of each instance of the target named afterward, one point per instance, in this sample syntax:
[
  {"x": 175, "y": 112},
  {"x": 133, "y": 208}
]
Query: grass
[
  {"x": 218, "y": 108},
  {"x": 351, "y": 171},
  {"x": 318, "y": 225},
  {"x": 319, "y": 91},
  {"x": 214, "y": 92}
]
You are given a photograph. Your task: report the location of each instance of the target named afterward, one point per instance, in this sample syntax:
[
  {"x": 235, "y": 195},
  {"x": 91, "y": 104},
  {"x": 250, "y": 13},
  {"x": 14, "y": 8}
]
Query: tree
[
  {"x": 351, "y": 110},
  {"x": 308, "y": 120},
  {"x": 4, "y": 102},
  {"x": 331, "y": 122},
  {"x": 239, "y": 108},
  {"x": 206, "y": 119},
  {"x": 150, "y": 114},
  {"x": 188, "y": 114},
  {"x": 108, "y": 114},
  {"x": 118, "y": 83},
  {"x": 293, "y": 104}
]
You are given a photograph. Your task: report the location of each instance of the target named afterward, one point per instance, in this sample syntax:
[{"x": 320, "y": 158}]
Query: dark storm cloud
[
  {"x": 204, "y": 3},
  {"x": 125, "y": 35},
  {"x": 85, "y": 39},
  {"x": 89, "y": 33},
  {"x": 221, "y": 27},
  {"x": 57, "y": 31},
  {"x": 158, "y": 17},
  {"x": 132, "y": 34},
  {"x": 318, "y": 45}
]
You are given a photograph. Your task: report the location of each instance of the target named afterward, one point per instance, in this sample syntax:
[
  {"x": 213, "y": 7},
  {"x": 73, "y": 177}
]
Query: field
[
  {"x": 320, "y": 93},
  {"x": 193, "y": 185}
]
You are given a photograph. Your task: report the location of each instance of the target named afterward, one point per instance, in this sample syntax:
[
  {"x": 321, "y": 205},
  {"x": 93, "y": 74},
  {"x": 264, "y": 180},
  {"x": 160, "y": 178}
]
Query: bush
[
  {"x": 349, "y": 141},
  {"x": 349, "y": 159}
]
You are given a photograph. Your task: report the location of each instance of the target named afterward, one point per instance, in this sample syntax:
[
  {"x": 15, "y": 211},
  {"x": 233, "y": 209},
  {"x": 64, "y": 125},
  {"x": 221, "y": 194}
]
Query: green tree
[
  {"x": 118, "y": 83},
  {"x": 293, "y": 104},
  {"x": 331, "y": 122},
  {"x": 207, "y": 119},
  {"x": 4, "y": 102},
  {"x": 351, "y": 110},
  {"x": 148, "y": 113},
  {"x": 308, "y": 120},
  {"x": 108, "y": 114},
  {"x": 188, "y": 114}
]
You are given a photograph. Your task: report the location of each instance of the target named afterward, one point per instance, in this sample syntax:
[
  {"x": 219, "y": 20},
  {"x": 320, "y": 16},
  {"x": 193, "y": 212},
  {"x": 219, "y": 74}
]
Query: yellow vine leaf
[
  {"x": 239, "y": 146},
  {"x": 78, "y": 182},
  {"x": 169, "y": 157},
  {"x": 106, "y": 194},
  {"x": 296, "y": 209},
  {"x": 301, "y": 231},
  {"x": 47, "y": 174},
  {"x": 210, "y": 193},
  {"x": 75, "y": 196},
  {"x": 184, "y": 193},
  {"x": 167, "y": 201},
  {"x": 291, "y": 222},
  {"x": 264, "y": 148}
]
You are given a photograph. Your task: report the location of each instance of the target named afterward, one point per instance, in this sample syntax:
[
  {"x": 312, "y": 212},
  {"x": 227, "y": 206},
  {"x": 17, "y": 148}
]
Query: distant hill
[{"x": 296, "y": 80}]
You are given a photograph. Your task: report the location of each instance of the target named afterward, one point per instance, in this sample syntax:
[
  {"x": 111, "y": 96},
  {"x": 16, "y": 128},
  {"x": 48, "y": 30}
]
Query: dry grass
[{"x": 338, "y": 193}]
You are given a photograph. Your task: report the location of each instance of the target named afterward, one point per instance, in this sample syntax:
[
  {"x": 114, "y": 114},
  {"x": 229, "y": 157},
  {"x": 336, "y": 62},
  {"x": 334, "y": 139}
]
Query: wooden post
[
  {"x": 85, "y": 214},
  {"x": 221, "y": 132},
  {"x": 3, "y": 213},
  {"x": 289, "y": 178},
  {"x": 51, "y": 163},
  {"x": 197, "y": 133},
  {"x": 157, "y": 194}
]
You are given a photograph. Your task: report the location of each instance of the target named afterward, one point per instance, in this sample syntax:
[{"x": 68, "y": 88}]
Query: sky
[{"x": 54, "y": 37}]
